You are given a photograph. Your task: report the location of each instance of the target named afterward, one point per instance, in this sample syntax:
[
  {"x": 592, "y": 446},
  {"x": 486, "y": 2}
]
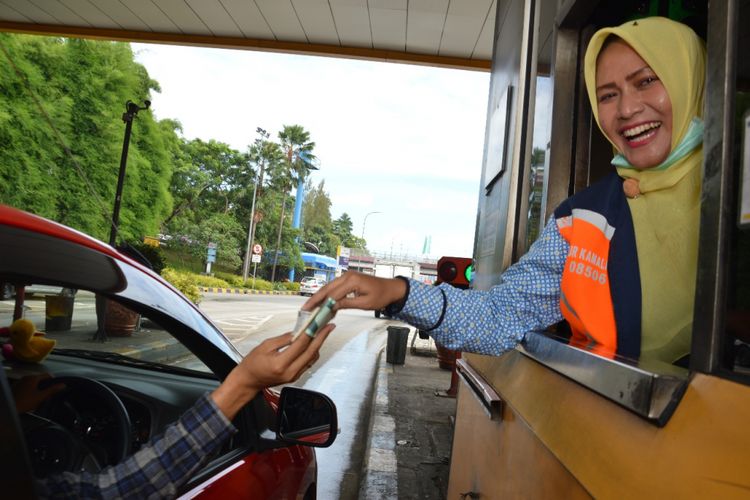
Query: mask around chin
[{"x": 692, "y": 139}]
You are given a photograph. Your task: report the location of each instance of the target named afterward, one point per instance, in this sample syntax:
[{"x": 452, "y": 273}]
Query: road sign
[
  {"x": 257, "y": 249},
  {"x": 255, "y": 258}
]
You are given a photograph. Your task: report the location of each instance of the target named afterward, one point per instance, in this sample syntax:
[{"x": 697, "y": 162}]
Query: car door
[{"x": 14, "y": 461}]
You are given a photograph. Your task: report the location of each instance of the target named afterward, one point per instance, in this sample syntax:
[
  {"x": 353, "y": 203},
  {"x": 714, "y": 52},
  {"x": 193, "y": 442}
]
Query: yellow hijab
[{"x": 666, "y": 215}]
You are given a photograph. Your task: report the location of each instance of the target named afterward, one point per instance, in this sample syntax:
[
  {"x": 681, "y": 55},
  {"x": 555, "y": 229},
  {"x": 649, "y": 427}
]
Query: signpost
[
  {"x": 210, "y": 257},
  {"x": 257, "y": 252}
]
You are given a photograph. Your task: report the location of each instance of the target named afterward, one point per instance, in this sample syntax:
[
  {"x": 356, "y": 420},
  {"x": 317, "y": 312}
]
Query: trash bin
[
  {"x": 395, "y": 352},
  {"x": 58, "y": 313}
]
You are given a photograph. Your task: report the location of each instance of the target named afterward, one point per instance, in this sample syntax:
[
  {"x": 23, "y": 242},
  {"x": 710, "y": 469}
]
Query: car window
[{"x": 75, "y": 319}]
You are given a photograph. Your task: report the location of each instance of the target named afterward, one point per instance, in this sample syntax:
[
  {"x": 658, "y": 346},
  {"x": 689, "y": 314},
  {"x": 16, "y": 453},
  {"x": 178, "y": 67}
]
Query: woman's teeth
[{"x": 640, "y": 129}]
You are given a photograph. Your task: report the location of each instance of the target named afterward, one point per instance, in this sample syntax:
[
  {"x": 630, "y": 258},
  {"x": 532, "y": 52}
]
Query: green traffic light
[{"x": 468, "y": 272}]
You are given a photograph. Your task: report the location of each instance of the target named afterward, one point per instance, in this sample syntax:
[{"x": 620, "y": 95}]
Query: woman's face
[{"x": 634, "y": 108}]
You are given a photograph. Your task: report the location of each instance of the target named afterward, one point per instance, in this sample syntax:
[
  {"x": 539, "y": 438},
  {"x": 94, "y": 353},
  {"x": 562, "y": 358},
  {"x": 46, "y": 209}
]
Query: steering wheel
[{"x": 65, "y": 444}]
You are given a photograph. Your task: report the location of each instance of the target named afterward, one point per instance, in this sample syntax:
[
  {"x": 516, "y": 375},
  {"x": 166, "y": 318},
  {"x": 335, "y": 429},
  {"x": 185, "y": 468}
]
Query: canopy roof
[{"x": 451, "y": 33}]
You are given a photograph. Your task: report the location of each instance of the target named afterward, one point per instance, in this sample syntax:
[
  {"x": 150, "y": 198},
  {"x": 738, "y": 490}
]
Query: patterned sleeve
[
  {"x": 158, "y": 469},
  {"x": 494, "y": 321}
]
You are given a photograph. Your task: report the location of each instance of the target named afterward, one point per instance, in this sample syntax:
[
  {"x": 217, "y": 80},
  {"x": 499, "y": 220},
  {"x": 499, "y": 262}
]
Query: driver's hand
[
  {"x": 27, "y": 394},
  {"x": 277, "y": 360},
  {"x": 355, "y": 290}
]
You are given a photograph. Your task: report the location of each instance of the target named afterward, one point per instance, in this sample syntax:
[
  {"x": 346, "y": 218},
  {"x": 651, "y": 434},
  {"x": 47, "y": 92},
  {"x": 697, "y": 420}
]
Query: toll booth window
[
  {"x": 737, "y": 347},
  {"x": 539, "y": 163}
]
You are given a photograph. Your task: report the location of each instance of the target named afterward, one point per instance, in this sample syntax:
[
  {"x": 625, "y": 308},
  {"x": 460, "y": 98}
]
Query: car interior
[{"x": 132, "y": 353}]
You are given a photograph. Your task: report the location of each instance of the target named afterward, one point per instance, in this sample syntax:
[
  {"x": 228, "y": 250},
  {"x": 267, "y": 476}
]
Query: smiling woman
[{"x": 635, "y": 112}]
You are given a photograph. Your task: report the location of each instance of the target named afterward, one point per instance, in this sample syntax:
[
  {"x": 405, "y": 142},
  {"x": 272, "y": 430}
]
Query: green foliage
[
  {"x": 260, "y": 284},
  {"x": 289, "y": 286},
  {"x": 210, "y": 281},
  {"x": 154, "y": 255},
  {"x": 234, "y": 280},
  {"x": 184, "y": 282},
  {"x": 317, "y": 225},
  {"x": 61, "y": 135}
]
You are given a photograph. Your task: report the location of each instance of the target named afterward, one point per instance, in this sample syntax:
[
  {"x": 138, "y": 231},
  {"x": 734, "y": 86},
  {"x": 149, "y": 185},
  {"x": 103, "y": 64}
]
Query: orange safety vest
[{"x": 600, "y": 291}]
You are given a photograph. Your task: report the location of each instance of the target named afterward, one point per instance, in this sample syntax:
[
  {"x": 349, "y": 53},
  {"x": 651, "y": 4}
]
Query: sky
[{"x": 402, "y": 143}]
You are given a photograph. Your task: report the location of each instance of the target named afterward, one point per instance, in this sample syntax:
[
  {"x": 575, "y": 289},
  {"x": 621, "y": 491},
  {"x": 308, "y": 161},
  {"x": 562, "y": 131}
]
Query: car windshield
[{"x": 74, "y": 319}]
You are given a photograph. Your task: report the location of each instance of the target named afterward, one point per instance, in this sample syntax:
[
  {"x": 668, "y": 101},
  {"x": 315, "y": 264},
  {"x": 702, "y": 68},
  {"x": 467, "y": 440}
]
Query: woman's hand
[
  {"x": 355, "y": 290},
  {"x": 275, "y": 361}
]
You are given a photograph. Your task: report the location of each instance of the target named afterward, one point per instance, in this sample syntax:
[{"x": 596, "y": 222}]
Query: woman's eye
[
  {"x": 606, "y": 97},
  {"x": 648, "y": 81}
]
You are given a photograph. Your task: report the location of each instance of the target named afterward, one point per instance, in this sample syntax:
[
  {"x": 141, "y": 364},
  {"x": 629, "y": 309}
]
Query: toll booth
[{"x": 548, "y": 420}]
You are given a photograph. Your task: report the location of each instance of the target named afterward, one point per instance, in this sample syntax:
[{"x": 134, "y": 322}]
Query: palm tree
[{"x": 295, "y": 141}]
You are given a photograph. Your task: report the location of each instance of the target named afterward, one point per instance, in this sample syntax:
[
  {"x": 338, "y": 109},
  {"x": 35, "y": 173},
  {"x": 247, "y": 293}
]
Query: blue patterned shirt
[
  {"x": 158, "y": 469},
  {"x": 494, "y": 321}
]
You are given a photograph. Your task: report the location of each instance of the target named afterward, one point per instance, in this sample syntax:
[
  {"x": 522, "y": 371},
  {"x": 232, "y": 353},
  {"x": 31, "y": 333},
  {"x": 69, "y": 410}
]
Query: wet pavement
[{"x": 411, "y": 429}]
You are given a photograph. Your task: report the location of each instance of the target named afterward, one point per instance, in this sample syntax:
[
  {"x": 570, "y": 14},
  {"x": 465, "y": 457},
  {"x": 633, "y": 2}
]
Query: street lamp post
[
  {"x": 251, "y": 226},
  {"x": 131, "y": 109},
  {"x": 364, "y": 222}
]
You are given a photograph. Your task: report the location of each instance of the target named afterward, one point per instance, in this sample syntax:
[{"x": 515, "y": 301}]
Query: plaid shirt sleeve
[
  {"x": 494, "y": 321},
  {"x": 158, "y": 469}
]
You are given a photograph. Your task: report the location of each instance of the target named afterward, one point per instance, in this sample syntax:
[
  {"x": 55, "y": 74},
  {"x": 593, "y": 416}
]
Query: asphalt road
[{"x": 344, "y": 372}]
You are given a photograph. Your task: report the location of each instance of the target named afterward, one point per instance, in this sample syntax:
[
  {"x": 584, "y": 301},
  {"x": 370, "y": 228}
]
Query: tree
[
  {"x": 60, "y": 145},
  {"x": 294, "y": 141},
  {"x": 343, "y": 228}
]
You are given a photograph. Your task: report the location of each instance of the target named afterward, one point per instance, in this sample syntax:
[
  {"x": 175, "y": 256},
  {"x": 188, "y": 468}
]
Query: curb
[
  {"x": 244, "y": 291},
  {"x": 380, "y": 473},
  {"x": 159, "y": 350}
]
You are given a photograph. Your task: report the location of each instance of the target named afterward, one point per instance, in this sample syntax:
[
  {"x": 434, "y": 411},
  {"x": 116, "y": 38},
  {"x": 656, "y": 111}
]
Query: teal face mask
[{"x": 693, "y": 138}]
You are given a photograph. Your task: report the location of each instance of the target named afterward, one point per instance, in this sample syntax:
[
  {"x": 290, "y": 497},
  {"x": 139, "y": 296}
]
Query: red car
[{"x": 158, "y": 355}]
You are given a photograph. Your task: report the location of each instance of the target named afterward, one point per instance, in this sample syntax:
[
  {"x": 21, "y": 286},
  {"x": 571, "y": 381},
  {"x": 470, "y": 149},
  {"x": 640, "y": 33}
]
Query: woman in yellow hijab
[
  {"x": 617, "y": 260},
  {"x": 632, "y": 73}
]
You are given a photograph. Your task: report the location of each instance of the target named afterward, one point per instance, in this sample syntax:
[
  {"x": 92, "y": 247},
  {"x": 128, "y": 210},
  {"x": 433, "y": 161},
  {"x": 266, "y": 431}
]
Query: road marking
[{"x": 241, "y": 325}]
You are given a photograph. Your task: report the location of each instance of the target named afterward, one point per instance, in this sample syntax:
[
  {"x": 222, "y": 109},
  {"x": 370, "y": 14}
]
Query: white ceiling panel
[
  {"x": 91, "y": 13},
  {"x": 470, "y": 8},
  {"x": 213, "y": 15},
  {"x": 280, "y": 16},
  {"x": 183, "y": 16},
  {"x": 317, "y": 21},
  {"x": 388, "y": 28},
  {"x": 351, "y": 3},
  {"x": 483, "y": 48},
  {"x": 435, "y": 6},
  {"x": 13, "y": 15},
  {"x": 247, "y": 16},
  {"x": 122, "y": 15},
  {"x": 152, "y": 15},
  {"x": 388, "y": 4},
  {"x": 424, "y": 31},
  {"x": 460, "y": 35},
  {"x": 26, "y": 10},
  {"x": 63, "y": 14},
  {"x": 352, "y": 24},
  {"x": 441, "y": 32}
]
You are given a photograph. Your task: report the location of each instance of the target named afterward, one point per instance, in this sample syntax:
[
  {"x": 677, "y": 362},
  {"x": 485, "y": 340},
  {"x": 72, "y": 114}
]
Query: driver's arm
[{"x": 160, "y": 468}]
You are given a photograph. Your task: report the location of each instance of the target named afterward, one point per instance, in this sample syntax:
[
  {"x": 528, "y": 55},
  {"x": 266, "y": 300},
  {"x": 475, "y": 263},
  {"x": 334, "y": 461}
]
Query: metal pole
[
  {"x": 278, "y": 239},
  {"x": 246, "y": 264},
  {"x": 131, "y": 109},
  {"x": 258, "y": 179},
  {"x": 365, "y": 222}
]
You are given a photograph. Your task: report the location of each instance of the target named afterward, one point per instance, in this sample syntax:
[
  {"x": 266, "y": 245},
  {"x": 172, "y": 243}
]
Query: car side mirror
[{"x": 306, "y": 417}]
